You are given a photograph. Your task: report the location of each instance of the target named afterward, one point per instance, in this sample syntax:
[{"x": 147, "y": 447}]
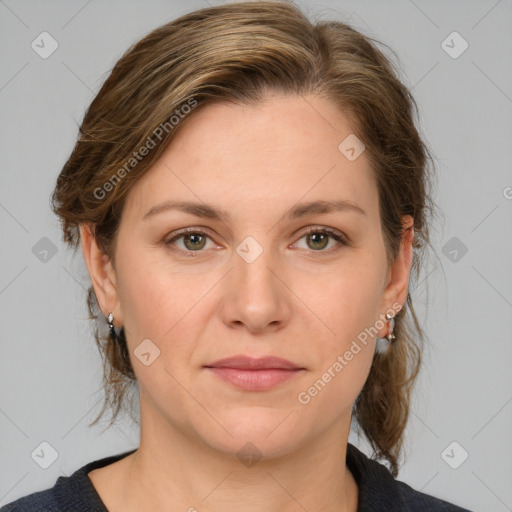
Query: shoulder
[
  {"x": 74, "y": 493},
  {"x": 379, "y": 490},
  {"x": 419, "y": 501},
  {"x": 35, "y": 502}
]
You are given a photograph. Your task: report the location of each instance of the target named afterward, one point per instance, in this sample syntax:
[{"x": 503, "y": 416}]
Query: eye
[
  {"x": 317, "y": 239},
  {"x": 191, "y": 239},
  {"x": 194, "y": 240}
]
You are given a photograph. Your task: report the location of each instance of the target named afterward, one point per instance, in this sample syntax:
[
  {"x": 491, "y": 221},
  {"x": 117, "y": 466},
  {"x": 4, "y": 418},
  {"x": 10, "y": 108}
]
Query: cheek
[
  {"x": 343, "y": 302},
  {"x": 156, "y": 304},
  {"x": 343, "y": 354},
  {"x": 169, "y": 306},
  {"x": 346, "y": 305},
  {"x": 145, "y": 302},
  {"x": 331, "y": 393},
  {"x": 154, "y": 296}
]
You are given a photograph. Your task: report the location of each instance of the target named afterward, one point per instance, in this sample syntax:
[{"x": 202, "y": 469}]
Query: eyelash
[{"x": 196, "y": 231}]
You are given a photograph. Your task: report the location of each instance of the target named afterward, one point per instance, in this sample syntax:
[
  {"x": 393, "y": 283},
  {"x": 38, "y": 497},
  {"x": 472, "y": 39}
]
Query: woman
[{"x": 251, "y": 196}]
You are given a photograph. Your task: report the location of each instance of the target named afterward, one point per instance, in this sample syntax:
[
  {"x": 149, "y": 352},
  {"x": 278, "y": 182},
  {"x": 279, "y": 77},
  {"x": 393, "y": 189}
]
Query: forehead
[{"x": 248, "y": 157}]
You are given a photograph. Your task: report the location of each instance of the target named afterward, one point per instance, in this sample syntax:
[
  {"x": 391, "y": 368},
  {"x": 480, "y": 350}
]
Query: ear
[
  {"x": 397, "y": 285},
  {"x": 102, "y": 275}
]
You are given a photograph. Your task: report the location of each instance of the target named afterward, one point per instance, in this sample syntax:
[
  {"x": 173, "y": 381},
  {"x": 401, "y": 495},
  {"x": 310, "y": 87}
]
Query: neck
[{"x": 175, "y": 468}]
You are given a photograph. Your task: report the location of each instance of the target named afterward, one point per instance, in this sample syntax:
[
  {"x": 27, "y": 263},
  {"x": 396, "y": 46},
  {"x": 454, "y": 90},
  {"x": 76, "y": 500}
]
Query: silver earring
[
  {"x": 110, "y": 321},
  {"x": 383, "y": 345}
]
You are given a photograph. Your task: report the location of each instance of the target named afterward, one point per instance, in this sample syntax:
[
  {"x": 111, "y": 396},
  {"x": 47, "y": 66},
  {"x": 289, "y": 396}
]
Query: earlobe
[{"x": 101, "y": 272}]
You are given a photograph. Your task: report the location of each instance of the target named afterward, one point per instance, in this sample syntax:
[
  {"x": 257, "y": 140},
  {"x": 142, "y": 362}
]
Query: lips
[
  {"x": 249, "y": 363},
  {"x": 254, "y": 374}
]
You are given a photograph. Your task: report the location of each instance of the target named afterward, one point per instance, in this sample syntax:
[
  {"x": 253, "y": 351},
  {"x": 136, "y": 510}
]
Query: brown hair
[{"x": 239, "y": 52}]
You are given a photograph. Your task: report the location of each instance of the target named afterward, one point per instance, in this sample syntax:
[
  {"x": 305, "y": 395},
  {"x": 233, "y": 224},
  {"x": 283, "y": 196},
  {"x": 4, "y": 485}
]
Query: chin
[{"x": 270, "y": 433}]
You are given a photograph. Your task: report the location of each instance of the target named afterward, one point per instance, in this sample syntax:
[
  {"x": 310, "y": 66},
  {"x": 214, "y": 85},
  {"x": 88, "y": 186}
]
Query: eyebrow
[{"x": 208, "y": 211}]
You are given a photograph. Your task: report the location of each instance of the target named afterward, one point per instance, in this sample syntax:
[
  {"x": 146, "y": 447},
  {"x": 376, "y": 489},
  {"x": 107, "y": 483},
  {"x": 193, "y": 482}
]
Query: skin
[{"x": 298, "y": 299}]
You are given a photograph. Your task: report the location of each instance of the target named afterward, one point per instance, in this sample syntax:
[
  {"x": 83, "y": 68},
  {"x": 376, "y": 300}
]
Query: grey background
[{"x": 49, "y": 366}]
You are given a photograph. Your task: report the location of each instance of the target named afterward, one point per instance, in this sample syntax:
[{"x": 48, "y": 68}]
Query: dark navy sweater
[{"x": 378, "y": 491}]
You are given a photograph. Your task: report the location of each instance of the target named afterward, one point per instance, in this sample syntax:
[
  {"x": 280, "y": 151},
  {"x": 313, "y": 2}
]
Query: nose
[{"x": 256, "y": 297}]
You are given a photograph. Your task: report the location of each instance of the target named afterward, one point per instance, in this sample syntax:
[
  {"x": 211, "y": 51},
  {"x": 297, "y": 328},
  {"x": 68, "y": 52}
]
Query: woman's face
[{"x": 248, "y": 280}]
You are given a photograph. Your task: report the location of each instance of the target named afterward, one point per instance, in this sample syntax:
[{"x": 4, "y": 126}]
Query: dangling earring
[
  {"x": 110, "y": 321},
  {"x": 383, "y": 344}
]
